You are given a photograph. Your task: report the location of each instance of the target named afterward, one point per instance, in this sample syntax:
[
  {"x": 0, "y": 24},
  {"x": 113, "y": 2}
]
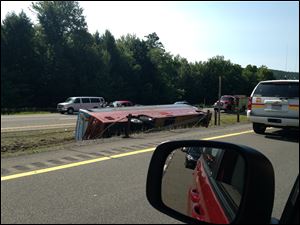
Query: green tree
[
  {"x": 153, "y": 41},
  {"x": 213, "y": 68},
  {"x": 63, "y": 26},
  {"x": 59, "y": 19},
  {"x": 140, "y": 69},
  {"x": 263, "y": 73},
  {"x": 115, "y": 67},
  {"x": 45, "y": 63},
  {"x": 19, "y": 61}
]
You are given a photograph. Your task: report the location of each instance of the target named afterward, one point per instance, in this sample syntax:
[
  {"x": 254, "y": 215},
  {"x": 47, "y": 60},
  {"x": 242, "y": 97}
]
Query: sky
[{"x": 256, "y": 33}]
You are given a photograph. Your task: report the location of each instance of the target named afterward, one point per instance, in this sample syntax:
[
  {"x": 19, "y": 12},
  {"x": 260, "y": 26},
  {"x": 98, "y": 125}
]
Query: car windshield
[
  {"x": 69, "y": 100},
  {"x": 284, "y": 89}
]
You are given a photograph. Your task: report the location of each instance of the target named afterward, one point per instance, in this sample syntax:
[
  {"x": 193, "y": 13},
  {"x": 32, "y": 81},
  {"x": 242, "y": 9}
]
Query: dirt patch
[{"x": 33, "y": 141}]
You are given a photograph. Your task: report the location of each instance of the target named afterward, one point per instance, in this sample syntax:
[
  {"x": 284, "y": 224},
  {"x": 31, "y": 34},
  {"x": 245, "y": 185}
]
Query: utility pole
[{"x": 286, "y": 57}]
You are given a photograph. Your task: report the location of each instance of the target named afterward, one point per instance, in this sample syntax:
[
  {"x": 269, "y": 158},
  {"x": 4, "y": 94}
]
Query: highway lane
[
  {"x": 177, "y": 181},
  {"x": 113, "y": 191},
  {"x": 109, "y": 192},
  {"x": 36, "y": 122}
]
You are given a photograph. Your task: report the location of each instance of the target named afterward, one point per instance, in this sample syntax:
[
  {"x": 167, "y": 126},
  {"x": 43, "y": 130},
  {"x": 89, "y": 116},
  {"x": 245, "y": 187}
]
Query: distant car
[
  {"x": 231, "y": 103},
  {"x": 73, "y": 104},
  {"x": 182, "y": 102},
  {"x": 274, "y": 103},
  {"x": 226, "y": 103},
  {"x": 191, "y": 157},
  {"x": 121, "y": 103}
]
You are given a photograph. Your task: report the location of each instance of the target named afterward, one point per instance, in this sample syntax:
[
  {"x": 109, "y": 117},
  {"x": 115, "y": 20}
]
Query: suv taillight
[{"x": 249, "y": 103}]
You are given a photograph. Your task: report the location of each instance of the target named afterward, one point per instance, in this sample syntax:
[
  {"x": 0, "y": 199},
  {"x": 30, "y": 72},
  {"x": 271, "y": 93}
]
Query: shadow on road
[
  {"x": 290, "y": 135},
  {"x": 235, "y": 113}
]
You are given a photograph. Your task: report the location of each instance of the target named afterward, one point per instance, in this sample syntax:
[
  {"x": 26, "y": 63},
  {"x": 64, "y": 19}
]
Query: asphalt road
[
  {"x": 36, "y": 122},
  {"x": 113, "y": 190},
  {"x": 177, "y": 181}
]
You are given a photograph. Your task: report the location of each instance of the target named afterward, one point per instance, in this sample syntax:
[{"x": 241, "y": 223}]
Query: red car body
[
  {"x": 203, "y": 204},
  {"x": 227, "y": 102},
  {"x": 217, "y": 187}
]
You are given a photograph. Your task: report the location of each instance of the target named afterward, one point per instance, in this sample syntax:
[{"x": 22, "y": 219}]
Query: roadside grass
[
  {"x": 228, "y": 119},
  {"x": 30, "y": 142},
  {"x": 29, "y": 113}
]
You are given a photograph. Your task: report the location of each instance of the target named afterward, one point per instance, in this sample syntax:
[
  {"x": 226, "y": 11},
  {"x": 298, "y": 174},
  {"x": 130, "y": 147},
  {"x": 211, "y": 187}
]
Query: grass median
[
  {"x": 228, "y": 119},
  {"x": 29, "y": 142}
]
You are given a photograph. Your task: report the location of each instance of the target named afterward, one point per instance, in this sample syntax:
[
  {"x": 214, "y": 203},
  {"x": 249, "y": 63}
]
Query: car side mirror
[{"x": 211, "y": 182}]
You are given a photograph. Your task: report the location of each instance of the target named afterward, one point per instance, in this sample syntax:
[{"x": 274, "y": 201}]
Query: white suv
[
  {"x": 274, "y": 103},
  {"x": 75, "y": 103}
]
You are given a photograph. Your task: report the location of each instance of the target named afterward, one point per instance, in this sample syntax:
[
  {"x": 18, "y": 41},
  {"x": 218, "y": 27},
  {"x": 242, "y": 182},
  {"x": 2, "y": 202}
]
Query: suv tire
[
  {"x": 70, "y": 111},
  {"x": 259, "y": 128}
]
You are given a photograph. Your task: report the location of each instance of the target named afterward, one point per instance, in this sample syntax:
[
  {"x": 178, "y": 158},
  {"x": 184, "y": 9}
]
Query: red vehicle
[
  {"x": 215, "y": 195},
  {"x": 121, "y": 103},
  {"x": 231, "y": 102}
]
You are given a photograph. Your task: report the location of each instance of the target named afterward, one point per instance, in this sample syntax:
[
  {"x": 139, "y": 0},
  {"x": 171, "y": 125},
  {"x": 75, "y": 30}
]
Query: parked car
[
  {"x": 274, "y": 103},
  {"x": 121, "y": 103},
  {"x": 231, "y": 102},
  {"x": 73, "y": 104},
  {"x": 226, "y": 103}
]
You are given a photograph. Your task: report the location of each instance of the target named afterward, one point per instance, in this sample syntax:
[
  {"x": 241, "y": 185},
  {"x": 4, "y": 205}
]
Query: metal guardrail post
[
  {"x": 215, "y": 117},
  {"x": 238, "y": 110},
  {"x": 127, "y": 128},
  {"x": 209, "y": 114}
]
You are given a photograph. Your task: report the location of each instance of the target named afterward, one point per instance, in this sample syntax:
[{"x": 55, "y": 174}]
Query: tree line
[{"x": 44, "y": 63}]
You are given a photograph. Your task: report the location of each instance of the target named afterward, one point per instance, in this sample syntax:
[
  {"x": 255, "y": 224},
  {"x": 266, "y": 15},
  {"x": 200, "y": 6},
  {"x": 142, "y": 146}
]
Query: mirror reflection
[{"x": 204, "y": 183}]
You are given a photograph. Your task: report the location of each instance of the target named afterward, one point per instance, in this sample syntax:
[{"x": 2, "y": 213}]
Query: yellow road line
[
  {"x": 132, "y": 153},
  {"x": 228, "y": 135},
  {"x": 15, "y": 176}
]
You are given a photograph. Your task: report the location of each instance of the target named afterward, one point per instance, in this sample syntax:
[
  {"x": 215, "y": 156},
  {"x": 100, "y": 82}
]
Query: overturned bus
[{"x": 106, "y": 122}]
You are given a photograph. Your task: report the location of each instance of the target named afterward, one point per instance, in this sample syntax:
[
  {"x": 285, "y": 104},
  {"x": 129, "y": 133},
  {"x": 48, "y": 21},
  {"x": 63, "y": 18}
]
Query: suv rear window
[{"x": 285, "y": 90}]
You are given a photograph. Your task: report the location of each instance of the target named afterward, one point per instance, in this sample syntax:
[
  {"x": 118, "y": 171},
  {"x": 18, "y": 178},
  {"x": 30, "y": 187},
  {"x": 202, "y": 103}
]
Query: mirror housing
[{"x": 258, "y": 196}]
